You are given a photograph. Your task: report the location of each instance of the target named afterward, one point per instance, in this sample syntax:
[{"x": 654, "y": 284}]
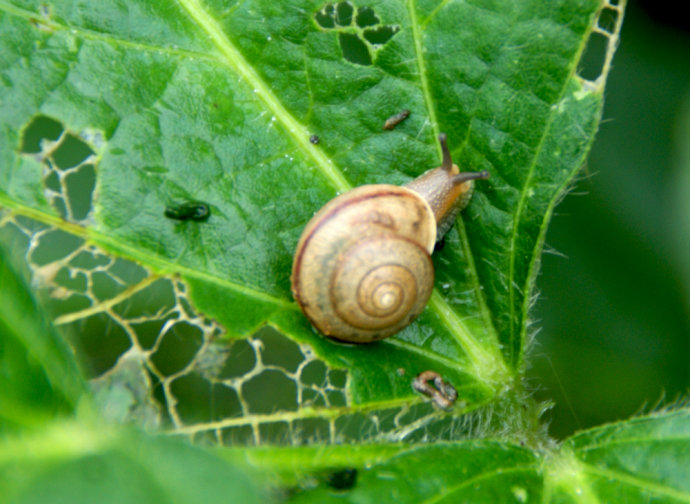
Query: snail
[{"x": 362, "y": 270}]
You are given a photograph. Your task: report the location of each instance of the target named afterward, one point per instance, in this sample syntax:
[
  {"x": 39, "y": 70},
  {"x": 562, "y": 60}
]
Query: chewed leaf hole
[
  {"x": 40, "y": 128},
  {"x": 354, "y": 50},
  {"x": 593, "y": 60},
  {"x": 80, "y": 184},
  {"x": 53, "y": 245},
  {"x": 100, "y": 343},
  {"x": 367, "y": 17},
  {"x": 359, "y": 41},
  {"x": 343, "y": 13},
  {"x": 601, "y": 45},
  {"x": 607, "y": 20},
  {"x": 71, "y": 152},
  {"x": 324, "y": 18},
  {"x": 52, "y": 181},
  {"x": 69, "y": 165},
  {"x": 177, "y": 347},
  {"x": 203, "y": 401},
  {"x": 380, "y": 35}
]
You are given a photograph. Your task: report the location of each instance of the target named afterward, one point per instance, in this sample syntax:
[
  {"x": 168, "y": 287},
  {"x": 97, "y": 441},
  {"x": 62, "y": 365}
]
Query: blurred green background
[{"x": 613, "y": 315}]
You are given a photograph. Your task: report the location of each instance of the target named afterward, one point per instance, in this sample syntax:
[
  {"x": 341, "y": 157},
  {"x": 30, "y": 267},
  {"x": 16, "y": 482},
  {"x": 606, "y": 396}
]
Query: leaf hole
[
  {"x": 314, "y": 373},
  {"x": 40, "y": 128},
  {"x": 128, "y": 271},
  {"x": 355, "y": 427},
  {"x": 381, "y": 34},
  {"x": 592, "y": 62},
  {"x": 279, "y": 351},
  {"x": 336, "y": 398},
  {"x": 607, "y": 20},
  {"x": 53, "y": 245},
  {"x": 177, "y": 348},
  {"x": 343, "y": 13},
  {"x": 146, "y": 303},
  {"x": 100, "y": 342},
  {"x": 88, "y": 259},
  {"x": 311, "y": 430},
  {"x": 60, "y": 207},
  {"x": 159, "y": 395},
  {"x": 199, "y": 400},
  {"x": 366, "y": 17},
  {"x": 71, "y": 152},
  {"x": 325, "y": 18},
  {"x": 337, "y": 378},
  {"x": 147, "y": 332},
  {"x": 275, "y": 433},
  {"x": 80, "y": 184},
  {"x": 69, "y": 176},
  {"x": 241, "y": 360},
  {"x": 595, "y": 63},
  {"x": 52, "y": 181},
  {"x": 72, "y": 281},
  {"x": 357, "y": 45},
  {"x": 104, "y": 286},
  {"x": 237, "y": 435},
  {"x": 269, "y": 392},
  {"x": 354, "y": 49}
]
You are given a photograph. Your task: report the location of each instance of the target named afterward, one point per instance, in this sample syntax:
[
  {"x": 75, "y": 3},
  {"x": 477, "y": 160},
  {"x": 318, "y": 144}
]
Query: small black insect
[
  {"x": 314, "y": 139},
  {"x": 396, "y": 119},
  {"x": 342, "y": 479},
  {"x": 191, "y": 210}
]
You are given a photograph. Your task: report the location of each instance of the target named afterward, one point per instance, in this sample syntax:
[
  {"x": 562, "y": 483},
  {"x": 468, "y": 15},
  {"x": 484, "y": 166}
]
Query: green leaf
[
  {"x": 113, "y": 113},
  {"x": 472, "y": 471},
  {"x": 75, "y": 463},
  {"x": 38, "y": 377},
  {"x": 480, "y": 471},
  {"x": 641, "y": 460}
]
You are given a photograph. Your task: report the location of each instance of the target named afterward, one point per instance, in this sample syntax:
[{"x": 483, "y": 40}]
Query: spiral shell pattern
[{"x": 363, "y": 270}]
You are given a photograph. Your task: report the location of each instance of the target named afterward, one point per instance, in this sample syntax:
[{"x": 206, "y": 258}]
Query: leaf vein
[
  {"x": 637, "y": 482},
  {"x": 164, "y": 266},
  {"x": 237, "y": 61}
]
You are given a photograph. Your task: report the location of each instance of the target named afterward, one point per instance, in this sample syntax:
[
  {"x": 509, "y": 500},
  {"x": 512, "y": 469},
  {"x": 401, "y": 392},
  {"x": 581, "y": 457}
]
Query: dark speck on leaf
[
  {"x": 342, "y": 479},
  {"x": 314, "y": 139},
  {"x": 393, "y": 121}
]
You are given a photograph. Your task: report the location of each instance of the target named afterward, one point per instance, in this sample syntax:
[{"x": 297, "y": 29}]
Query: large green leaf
[
  {"x": 645, "y": 459},
  {"x": 38, "y": 378},
  {"x": 478, "y": 471},
  {"x": 640, "y": 460},
  {"x": 81, "y": 463},
  {"x": 113, "y": 112}
]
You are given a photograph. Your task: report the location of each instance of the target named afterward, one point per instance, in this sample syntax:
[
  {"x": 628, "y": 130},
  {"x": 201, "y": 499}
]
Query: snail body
[{"x": 363, "y": 269}]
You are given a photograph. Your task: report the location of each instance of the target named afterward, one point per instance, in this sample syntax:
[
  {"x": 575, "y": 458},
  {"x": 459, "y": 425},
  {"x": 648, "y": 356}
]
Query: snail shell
[{"x": 363, "y": 268}]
